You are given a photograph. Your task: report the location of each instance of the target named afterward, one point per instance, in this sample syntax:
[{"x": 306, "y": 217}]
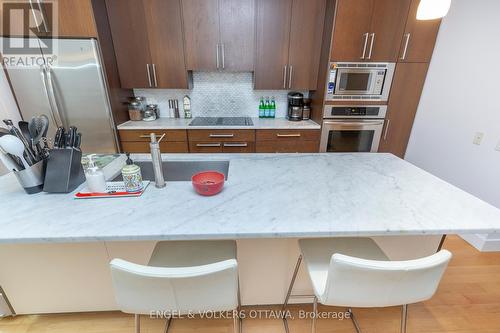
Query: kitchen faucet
[{"x": 156, "y": 160}]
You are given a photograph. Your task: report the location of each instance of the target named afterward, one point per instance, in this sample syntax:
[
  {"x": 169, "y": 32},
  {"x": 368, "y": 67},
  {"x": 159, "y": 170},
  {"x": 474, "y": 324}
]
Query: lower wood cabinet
[
  {"x": 137, "y": 141},
  {"x": 221, "y": 141},
  {"x": 287, "y": 141}
]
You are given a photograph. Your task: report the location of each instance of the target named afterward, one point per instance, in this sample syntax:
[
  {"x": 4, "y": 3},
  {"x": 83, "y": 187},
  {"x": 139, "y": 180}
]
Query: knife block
[{"x": 64, "y": 171}]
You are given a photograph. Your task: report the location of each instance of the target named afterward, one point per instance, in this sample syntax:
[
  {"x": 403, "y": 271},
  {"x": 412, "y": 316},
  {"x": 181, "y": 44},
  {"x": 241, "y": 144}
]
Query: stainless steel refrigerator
[{"x": 71, "y": 90}]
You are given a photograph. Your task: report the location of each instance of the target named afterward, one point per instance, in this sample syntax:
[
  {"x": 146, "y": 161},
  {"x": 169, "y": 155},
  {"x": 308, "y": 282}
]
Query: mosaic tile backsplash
[{"x": 217, "y": 94}]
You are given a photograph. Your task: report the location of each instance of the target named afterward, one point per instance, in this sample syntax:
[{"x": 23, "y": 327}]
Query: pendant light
[{"x": 432, "y": 9}]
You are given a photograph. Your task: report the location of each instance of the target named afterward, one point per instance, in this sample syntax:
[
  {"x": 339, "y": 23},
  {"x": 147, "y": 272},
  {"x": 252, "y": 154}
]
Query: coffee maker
[{"x": 295, "y": 106}]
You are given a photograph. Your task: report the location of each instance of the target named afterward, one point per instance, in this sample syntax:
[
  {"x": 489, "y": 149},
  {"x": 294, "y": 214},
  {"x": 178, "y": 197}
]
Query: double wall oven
[{"x": 348, "y": 128}]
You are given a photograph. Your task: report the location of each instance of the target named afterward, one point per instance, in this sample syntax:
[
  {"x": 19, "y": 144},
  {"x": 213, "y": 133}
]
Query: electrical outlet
[{"x": 478, "y": 137}]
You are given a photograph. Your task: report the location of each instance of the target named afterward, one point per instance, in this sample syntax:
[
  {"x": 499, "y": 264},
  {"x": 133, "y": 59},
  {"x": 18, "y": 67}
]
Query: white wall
[
  {"x": 8, "y": 107},
  {"x": 461, "y": 96}
]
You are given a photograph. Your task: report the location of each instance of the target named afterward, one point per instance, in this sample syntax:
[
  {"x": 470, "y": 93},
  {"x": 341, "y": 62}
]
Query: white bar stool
[
  {"x": 181, "y": 277},
  {"x": 355, "y": 272}
]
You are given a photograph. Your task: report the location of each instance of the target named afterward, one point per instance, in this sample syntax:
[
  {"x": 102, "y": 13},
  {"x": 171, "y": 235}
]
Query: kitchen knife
[
  {"x": 78, "y": 141},
  {"x": 70, "y": 139},
  {"x": 59, "y": 137}
]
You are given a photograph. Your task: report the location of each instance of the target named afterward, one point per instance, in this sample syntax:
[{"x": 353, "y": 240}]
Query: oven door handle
[{"x": 362, "y": 123}]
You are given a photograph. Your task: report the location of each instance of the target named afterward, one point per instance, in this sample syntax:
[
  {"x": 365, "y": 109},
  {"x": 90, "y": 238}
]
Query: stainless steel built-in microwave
[{"x": 359, "y": 81}]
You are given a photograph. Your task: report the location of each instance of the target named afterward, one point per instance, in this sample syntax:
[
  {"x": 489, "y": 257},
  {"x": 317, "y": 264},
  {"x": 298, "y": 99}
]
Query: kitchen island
[{"x": 56, "y": 249}]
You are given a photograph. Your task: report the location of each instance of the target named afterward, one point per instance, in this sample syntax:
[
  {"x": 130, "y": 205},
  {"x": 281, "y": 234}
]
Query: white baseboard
[{"x": 482, "y": 242}]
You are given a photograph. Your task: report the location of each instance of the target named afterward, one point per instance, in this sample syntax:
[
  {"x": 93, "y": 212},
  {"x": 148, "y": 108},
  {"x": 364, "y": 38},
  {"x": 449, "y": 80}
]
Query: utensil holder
[
  {"x": 64, "y": 171},
  {"x": 32, "y": 179}
]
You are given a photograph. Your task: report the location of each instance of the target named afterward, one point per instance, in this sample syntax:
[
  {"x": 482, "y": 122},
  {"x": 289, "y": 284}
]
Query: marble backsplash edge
[{"x": 216, "y": 94}]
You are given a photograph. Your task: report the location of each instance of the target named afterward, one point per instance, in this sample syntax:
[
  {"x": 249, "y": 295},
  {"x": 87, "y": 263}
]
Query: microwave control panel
[{"x": 378, "y": 83}]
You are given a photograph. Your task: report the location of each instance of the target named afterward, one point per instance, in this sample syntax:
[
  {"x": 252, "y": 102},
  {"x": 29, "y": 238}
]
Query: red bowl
[{"x": 208, "y": 182}]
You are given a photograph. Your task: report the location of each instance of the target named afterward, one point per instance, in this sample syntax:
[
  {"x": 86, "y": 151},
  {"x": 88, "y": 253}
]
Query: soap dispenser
[
  {"x": 96, "y": 182},
  {"x": 132, "y": 177}
]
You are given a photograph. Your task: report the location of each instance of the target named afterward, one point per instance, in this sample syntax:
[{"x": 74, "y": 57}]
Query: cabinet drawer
[
  {"x": 289, "y": 135},
  {"x": 287, "y": 146},
  {"x": 221, "y": 135},
  {"x": 144, "y": 135},
  {"x": 165, "y": 147},
  {"x": 205, "y": 147},
  {"x": 238, "y": 147}
]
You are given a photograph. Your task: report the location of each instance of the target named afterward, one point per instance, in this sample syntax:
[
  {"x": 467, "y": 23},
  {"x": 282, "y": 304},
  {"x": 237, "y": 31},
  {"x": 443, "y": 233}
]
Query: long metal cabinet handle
[
  {"x": 407, "y": 41},
  {"x": 386, "y": 129},
  {"x": 365, "y": 45},
  {"x": 44, "y": 21},
  {"x": 223, "y": 51},
  {"x": 284, "y": 76},
  {"x": 217, "y": 55},
  {"x": 290, "y": 77},
  {"x": 147, "y": 136},
  {"x": 34, "y": 16},
  {"x": 221, "y": 135},
  {"x": 208, "y": 145},
  {"x": 44, "y": 81},
  {"x": 297, "y": 135},
  {"x": 154, "y": 75},
  {"x": 372, "y": 35},
  {"x": 243, "y": 144},
  {"x": 149, "y": 75},
  {"x": 53, "y": 98}
]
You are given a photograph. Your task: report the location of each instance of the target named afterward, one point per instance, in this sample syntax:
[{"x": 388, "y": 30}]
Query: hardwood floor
[{"x": 468, "y": 301}]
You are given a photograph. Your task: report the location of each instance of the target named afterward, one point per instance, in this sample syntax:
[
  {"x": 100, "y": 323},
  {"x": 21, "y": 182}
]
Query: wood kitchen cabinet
[
  {"x": 221, "y": 141},
  {"x": 148, "y": 42},
  {"x": 288, "y": 43},
  {"x": 403, "y": 102},
  {"x": 219, "y": 34},
  {"x": 287, "y": 141},
  {"x": 137, "y": 141},
  {"x": 419, "y": 37},
  {"x": 368, "y": 30},
  {"x": 74, "y": 19}
]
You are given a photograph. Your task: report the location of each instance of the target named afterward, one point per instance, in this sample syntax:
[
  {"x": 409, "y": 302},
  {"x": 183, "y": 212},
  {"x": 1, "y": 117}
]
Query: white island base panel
[{"x": 75, "y": 277}]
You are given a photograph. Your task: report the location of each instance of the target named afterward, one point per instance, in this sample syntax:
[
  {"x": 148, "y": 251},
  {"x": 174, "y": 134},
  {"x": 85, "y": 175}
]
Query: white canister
[{"x": 132, "y": 178}]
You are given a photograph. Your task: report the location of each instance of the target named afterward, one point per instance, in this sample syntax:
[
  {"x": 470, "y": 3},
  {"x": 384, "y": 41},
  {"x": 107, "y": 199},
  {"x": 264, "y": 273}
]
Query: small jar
[
  {"x": 151, "y": 113},
  {"x": 135, "y": 111},
  {"x": 132, "y": 178}
]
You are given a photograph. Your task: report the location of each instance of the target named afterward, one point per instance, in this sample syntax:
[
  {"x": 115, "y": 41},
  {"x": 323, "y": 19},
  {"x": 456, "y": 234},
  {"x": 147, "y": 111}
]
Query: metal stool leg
[
  {"x": 289, "y": 293},
  {"x": 315, "y": 312},
  {"x": 137, "y": 319},
  {"x": 354, "y": 321},
  {"x": 167, "y": 324},
  {"x": 404, "y": 318}
]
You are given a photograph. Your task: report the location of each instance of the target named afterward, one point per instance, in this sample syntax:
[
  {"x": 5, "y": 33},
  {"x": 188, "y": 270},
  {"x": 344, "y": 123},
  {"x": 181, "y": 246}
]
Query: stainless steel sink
[{"x": 180, "y": 170}]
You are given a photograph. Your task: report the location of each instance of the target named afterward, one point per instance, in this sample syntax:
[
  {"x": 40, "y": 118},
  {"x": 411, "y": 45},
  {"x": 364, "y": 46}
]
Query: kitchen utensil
[
  {"x": 30, "y": 155},
  {"x": 176, "y": 109},
  {"x": 208, "y": 182},
  {"x": 8, "y": 162},
  {"x": 13, "y": 145},
  {"x": 64, "y": 170},
  {"x": 24, "y": 128},
  {"x": 70, "y": 139}
]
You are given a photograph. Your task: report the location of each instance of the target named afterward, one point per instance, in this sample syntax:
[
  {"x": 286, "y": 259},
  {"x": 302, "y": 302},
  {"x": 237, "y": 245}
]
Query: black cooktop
[{"x": 221, "y": 121}]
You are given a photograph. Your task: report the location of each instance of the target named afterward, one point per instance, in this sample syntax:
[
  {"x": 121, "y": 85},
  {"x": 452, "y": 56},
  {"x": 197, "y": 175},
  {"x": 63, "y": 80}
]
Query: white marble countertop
[
  {"x": 181, "y": 123},
  {"x": 265, "y": 196}
]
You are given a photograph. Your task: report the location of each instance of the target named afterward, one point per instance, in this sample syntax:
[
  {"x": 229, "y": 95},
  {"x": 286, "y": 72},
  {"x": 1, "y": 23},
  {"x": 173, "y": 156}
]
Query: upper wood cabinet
[
  {"x": 147, "y": 37},
  {"x": 405, "y": 94},
  {"x": 368, "y": 30},
  {"x": 74, "y": 19},
  {"x": 419, "y": 37},
  {"x": 219, "y": 34},
  {"x": 288, "y": 44}
]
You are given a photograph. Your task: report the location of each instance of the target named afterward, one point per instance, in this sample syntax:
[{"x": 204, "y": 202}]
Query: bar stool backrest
[
  {"x": 356, "y": 282},
  {"x": 142, "y": 289}
]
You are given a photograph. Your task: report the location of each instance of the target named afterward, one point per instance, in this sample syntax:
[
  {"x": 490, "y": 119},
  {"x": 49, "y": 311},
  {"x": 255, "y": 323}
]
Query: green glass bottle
[
  {"x": 273, "y": 108},
  {"x": 262, "y": 108},
  {"x": 267, "y": 108}
]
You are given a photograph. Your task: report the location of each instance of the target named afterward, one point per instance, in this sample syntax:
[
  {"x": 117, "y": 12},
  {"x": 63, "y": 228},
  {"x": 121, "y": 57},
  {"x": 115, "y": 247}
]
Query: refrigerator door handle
[{"x": 49, "y": 89}]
